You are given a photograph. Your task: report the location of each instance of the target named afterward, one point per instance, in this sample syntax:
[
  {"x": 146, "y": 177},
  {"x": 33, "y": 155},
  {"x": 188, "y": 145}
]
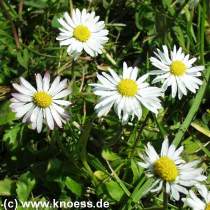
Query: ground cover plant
[{"x": 105, "y": 100}]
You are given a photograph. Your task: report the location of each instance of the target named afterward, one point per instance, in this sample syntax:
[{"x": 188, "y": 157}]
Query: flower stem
[
  {"x": 202, "y": 12},
  {"x": 198, "y": 99},
  {"x": 109, "y": 57},
  {"x": 139, "y": 132},
  {"x": 165, "y": 197},
  {"x": 83, "y": 148},
  {"x": 71, "y": 6},
  {"x": 193, "y": 110}
]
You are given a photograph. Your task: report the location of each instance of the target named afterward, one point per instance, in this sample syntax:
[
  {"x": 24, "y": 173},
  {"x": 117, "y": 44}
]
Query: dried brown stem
[
  {"x": 20, "y": 6},
  {"x": 14, "y": 30}
]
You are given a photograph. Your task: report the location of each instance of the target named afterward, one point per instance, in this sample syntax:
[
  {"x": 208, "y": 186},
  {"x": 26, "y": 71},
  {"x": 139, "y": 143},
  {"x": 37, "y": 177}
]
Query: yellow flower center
[
  {"x": 127, "y": 87},
  {"x": 166, "y": 169},
  {"x": 42, "y": 99},
  {"x": 207, "y": 207},
  {"x": 82, "y": 33},
  {"x": 178, "y": 68}
]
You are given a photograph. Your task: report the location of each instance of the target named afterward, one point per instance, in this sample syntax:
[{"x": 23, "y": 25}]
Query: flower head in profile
[
  {"x": 171, "y": 169},
  {"x": 198, "y": 203},
  {"x": 176, "y": 69},
  {"x": 82, "y": 31},
  {"x": 43, "y": 104},
  {"x": 126, "y": 93}
]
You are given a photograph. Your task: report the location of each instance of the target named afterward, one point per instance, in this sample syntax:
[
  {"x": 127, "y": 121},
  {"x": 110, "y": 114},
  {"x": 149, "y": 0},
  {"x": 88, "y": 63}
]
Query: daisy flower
[
  {"x": 196, "y": 203},
  {"x": 41, "y": 104},
  {"x": 126, "y": 93},
  {"x": 82, "y": 31},
  {"x": 171, "y": 169},
  {"x": 175, "y": 69}
]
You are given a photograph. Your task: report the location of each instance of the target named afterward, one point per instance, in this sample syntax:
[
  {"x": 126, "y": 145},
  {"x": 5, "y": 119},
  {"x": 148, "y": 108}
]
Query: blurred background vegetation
[{"x": 93, "y": 158}]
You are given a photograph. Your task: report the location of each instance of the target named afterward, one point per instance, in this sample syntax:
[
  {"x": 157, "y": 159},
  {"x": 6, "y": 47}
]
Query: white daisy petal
[
  {"x": 39, "y": 82},
  {"x": 126, "y": 93},
  {"x": 67, "y": 41},
  {"x": 46, "y": 81},
  {"x": 160, "y": 77},
  {"x": 62, "y": 94},
  {"x": 169, "y": 168},
  {"x": 39, "y": 120},
  {"x": 49, "y": 118},
  {"x": 198, "y": 203},
  {"x": 181, "y": 86},
  {"x": 114, "y": 75},
  {"x": 27, "y": 85},
  {"x": 196, "y": 69},
  {"x": 56, "y": 116},
  {"x": 64, "y": 24},
  {"x": 22, "y": 110},
  {"x": 89, "y": 50},
  {"x": 22, "y": 89},
  {"x": 62, "y": 85},
  {"x": 176, "y": 65},
  {"x": 142, "y": 78},
  {"x": 174, "y": 193},
  {"x": 27, "y": 116},
  {"x": 174, "y": 87},
  {"x": 34, "y": 114},
  {"x": 22, "y": 97},
  {"x": 203, "y": 192},
  {"x": 16, "y": 104},
  {"x": 54, "y": 85},
  {"x": 103, "y": 110},
  {"x": 44, "y": 105},
  {"x": 82, "y": 31},
  {"x": 62, "y": 102},
  {"x": 165, "y": 145},
  {"x": 68, "y": 19}
]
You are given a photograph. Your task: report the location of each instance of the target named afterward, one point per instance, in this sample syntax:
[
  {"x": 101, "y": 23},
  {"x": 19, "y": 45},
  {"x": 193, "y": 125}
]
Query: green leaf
[
  {"x": 140, "y": 190},
  {"x": 25, "y": 185},
  {"x": 114, "y": 190},
  {"x": 137, "y": 171},
  {"x": 109, "y": 155},
  {"x": 55, "y": 23},
  {"x": 207, "y": 152},
  {"x": 74, "y": 186},
  {"x": 179, "y": 34},
  {"x": 190, "y": 146},
  {"x": 133, "y": 136},
  {"x": 41, "y": 4},
  {"x": 96, "y": 163},
  {"x": 107, "y": 4},
  {"x": 23, "y": 58},
  {"x": 11, "y": 137},
  {"x": 199, "y": 127},
  {"x": 53, "y": 167},
  {"x": 100, "y": 175},
  {"x": 6, "y": 115},
  {"x": 7, "y": 187}
]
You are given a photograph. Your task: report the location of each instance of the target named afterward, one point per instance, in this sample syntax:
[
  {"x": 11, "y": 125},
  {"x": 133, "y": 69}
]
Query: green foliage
[
  {"x": 25, "y": 185},
  {"x": 74, "y": 186},
  {"x": 12, "y": 136},
  {"x": 6, "y": 187},
  {"x": 114, "y": 190},
  {"x": 92, "y": 158},
  {"x": 109, "y": 155},
  {"x": 6, "y": 115}
]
